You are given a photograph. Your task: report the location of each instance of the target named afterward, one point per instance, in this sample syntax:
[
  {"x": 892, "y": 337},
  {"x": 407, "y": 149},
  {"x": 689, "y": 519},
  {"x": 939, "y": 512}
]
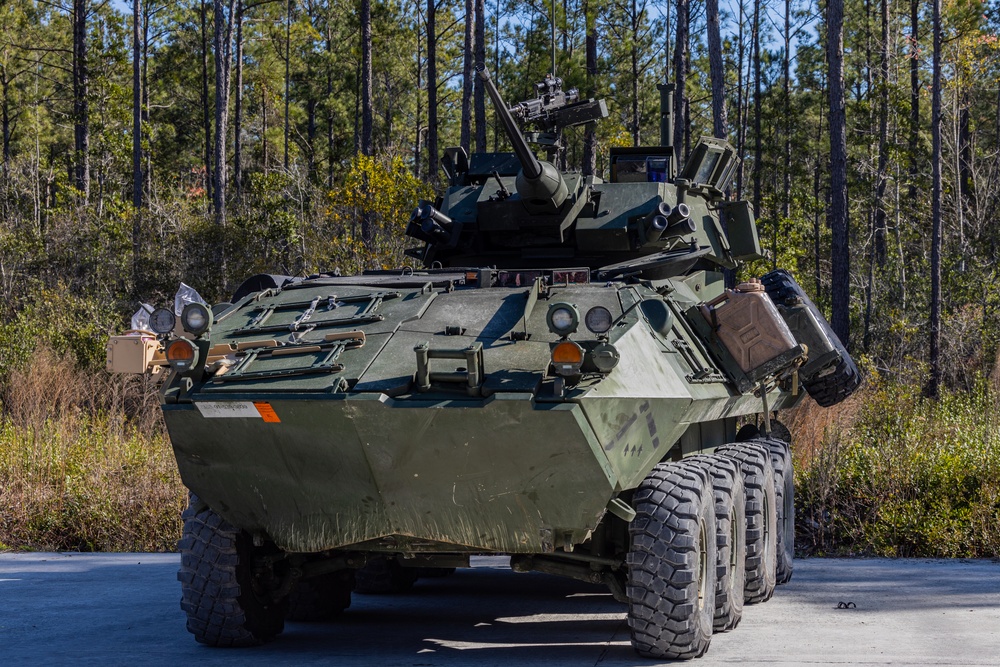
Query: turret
[{"x": 540, "y": 185}]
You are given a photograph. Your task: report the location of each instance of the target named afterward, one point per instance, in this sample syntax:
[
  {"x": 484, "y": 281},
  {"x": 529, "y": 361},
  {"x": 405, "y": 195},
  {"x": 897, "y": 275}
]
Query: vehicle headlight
[
  {"x": 182, "y": 355},
  {"x": 563, "y": 319},
  {"x": 196, "y": 318},
  {"x": 598, "y": 320},
  {"x": 567, "y": 358},
  {"x": 162, "y": 321}
]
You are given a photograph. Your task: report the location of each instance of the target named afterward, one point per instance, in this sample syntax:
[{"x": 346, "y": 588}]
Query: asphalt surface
[{"x": 123, "y": 609}]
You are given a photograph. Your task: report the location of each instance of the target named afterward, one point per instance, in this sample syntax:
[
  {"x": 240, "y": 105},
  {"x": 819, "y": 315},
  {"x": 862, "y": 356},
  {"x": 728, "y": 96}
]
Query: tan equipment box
[{"x": 132, "y": 354}]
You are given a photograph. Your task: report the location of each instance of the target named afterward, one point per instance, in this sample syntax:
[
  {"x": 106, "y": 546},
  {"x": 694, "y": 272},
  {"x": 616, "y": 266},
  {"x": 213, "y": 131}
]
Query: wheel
[
  {"x": 382, "y": 574},
  {"x": 747, "y": 432},
  {"x": 320, "y": 598},
  {"x": 225, "y": 601},
  {"x": 780, "y": 431},
  {"x": 835, "y": 383},
  {"x": 829, "y": 381},
  {"x": 258, "y": 283},
  {"x": 761, "y": 516},
  {"x": 784, "y": 493},
  {"x": 671, "y": 564},
  {"x": 731, "y": 537}
]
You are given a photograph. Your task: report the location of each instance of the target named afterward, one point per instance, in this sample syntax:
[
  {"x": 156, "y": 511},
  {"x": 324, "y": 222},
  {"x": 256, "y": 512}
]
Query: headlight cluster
[
  {"x": 568, "y": 357},
  {"x": 184, "y": 353},
  {"x": 564, "y": 319}
]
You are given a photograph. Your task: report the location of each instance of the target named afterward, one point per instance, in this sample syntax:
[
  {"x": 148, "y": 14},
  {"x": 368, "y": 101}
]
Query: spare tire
[
  {"x": 259, "y": 283},
  {"x": 830, "y": 374}
]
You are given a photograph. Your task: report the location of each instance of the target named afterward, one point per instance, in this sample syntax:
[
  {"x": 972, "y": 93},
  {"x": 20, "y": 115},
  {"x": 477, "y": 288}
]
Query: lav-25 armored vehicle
[{"x": 560, "y": 380}]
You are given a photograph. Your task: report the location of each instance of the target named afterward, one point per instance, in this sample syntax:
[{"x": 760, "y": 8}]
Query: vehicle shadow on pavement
[{"x": 478, "y": 616}]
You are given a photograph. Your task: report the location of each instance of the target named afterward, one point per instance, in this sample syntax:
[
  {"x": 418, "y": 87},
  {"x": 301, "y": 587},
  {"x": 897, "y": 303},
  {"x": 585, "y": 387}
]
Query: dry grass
[{"x": 84, "y": 462}]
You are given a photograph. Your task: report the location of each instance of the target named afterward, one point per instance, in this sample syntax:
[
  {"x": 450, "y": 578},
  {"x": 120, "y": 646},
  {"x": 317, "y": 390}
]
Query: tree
[
  {"x": 367, "y": 228},
  {"x": 223, "y": 62},
  {"x": 432, "y": 103},
  {"x": 840, "y": 250},
  {"x": 718, "y": 74},
  {"x": 81, "y": 94},
  {"x": 934, "y": 379},
  {"x": 680, "y": 77},
  {"x": 479, "y": 93},
  {"x": 467, "y": 74}
]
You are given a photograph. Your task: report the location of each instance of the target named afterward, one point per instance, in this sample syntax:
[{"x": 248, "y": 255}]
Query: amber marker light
[
  {"x": 182, "y": 354},
  {"x": 567, "y": 358}
]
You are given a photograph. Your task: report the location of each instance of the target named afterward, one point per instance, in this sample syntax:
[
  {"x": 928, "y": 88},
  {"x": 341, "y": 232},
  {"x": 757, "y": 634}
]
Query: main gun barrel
[{"x": 529, "y": 163}]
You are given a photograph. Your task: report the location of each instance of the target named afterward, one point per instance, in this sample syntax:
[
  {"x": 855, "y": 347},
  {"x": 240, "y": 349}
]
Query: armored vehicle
[{"x": 563, "y": 377}]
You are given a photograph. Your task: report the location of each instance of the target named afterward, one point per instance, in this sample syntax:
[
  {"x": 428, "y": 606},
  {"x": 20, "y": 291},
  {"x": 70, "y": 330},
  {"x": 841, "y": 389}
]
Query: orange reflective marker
[{"x": 267, "y": 413}]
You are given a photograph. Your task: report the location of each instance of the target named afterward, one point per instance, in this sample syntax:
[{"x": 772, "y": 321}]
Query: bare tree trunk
[
  {"x": 934, "y": 381},
  {"x": 634, "y": 74},
  {"x": 786, "y": 200},
  {"x": 757, "y": 147},
  {"x": 288, "y": 76},
  {"x": 206, "y": 111},
  {"x": 881, "y": 178},
  {"x": 136, "y": 118},
  {"x": 465, "y": 140},
  {"x": 147, "y": 176},
  {"x": 367, "y": 226},
  {"x": 740, "y": 116},
  {"x": 136, "y": 144},
  {"x": 717, "y": 70},
  {"x": 817, "y": 232},
  {"x": 223, "y": 61},
  {"x": 330, "y": 147},
  {"x": 590, "y": 132},
  {"x": 432, "y": 82},
  {"x": 81, "y": 93},
  {"x": 840, "y": 249},
  {"x": 366, "y": 77},
  {"x": 680, "y": 76},
  {"x": 914, "y": 96},
  {"x": 479, "y": 93},
  {"x": 419, "y": 68},
  {"x": 238, "y": 112}
]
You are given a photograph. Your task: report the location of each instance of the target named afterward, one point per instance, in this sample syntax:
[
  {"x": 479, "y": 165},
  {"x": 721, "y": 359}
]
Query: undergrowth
[
  {"x": 890, "y": 473},
  {"x": 85, "y": 463}
]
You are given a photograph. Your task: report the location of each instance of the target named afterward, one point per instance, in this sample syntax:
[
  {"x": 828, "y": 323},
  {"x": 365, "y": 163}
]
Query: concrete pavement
[{"x": 123, "y": 609}]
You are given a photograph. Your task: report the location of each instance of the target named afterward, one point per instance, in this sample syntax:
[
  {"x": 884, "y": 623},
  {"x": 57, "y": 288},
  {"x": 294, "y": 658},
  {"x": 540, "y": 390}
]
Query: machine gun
[
  {"x": 554, "y": 109},
  {"x": 541, "y": 187}
]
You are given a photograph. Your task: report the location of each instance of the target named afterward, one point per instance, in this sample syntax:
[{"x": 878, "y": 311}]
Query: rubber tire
[
  {"x": 835, "y": 382},
  {"x": 780, "y": 431},
  {"x": 320, "y": 598},
  {"x": 761, "y": 515},
  {"x": 784, "y": 492},
  {"x": 731, "y": 537},
  {"x": 671, "y": 565},
  {"x": 217, "y": 591},
  {"x": 382, "y": 574},
  {"x": 837, "y": 385}
]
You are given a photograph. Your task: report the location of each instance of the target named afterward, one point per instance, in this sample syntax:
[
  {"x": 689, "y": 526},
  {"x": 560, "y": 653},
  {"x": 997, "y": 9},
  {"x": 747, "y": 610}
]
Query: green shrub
[{"x": 907, "y": 476}]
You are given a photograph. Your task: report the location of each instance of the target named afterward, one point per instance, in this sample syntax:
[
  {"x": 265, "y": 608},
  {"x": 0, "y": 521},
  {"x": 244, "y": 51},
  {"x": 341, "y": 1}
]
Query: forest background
[{"x": 150, "y": 142}]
